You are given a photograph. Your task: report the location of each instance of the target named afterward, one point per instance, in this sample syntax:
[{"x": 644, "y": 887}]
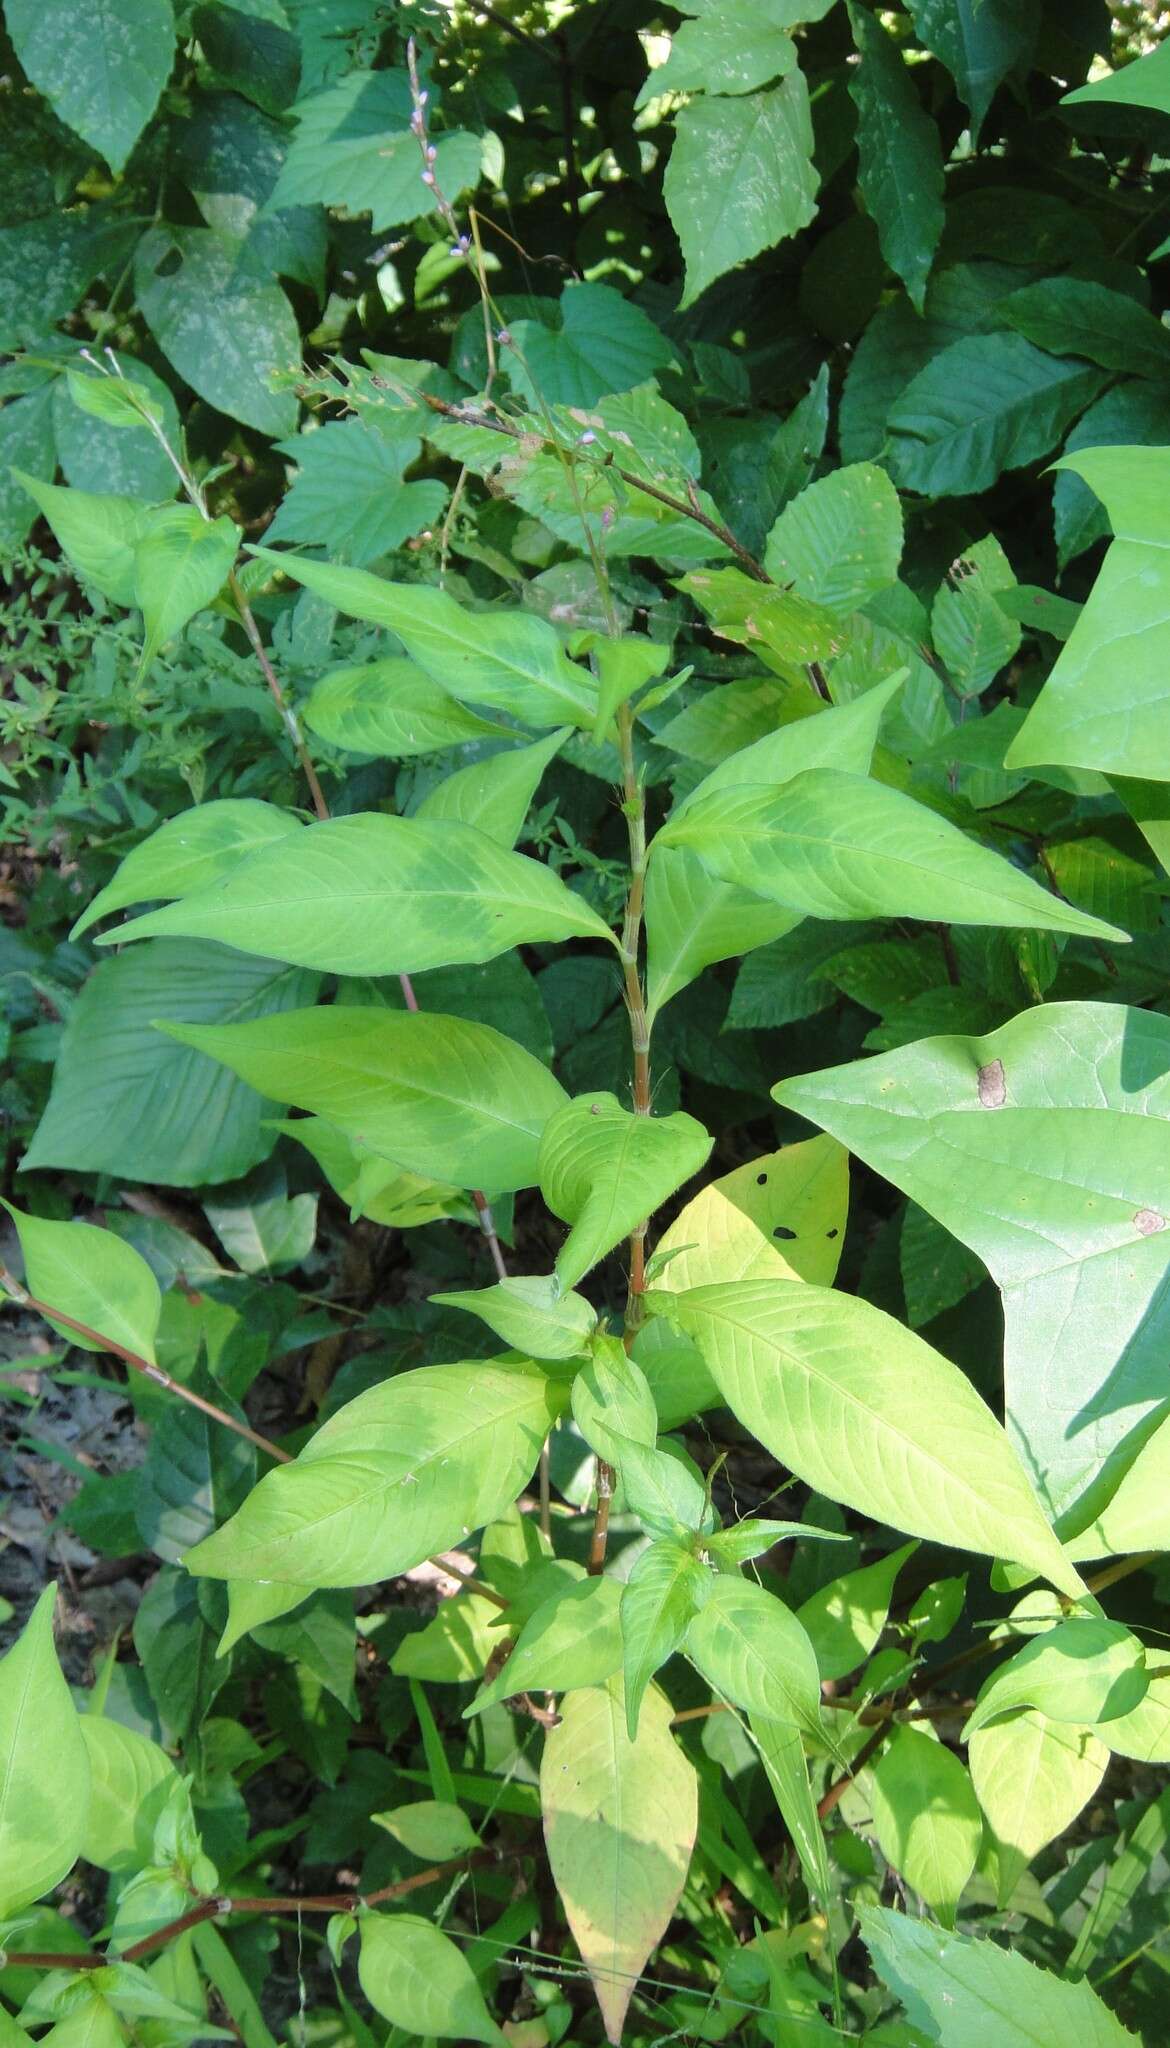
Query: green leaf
[
  {"x": 1143, "y": 83},
  {"x": 129, "y": 1101},
  {"x": 371, "y": 894},
  {"x": 1082, "y": 1670},
  {"x": 439, "y": 1096},
  {"x": 1143, "y": 1733},
  {"x": 1105, "y": 702},
  {"x": 733, "y": 50},
  {"x": 530, "y": 1313},
  {"x": 779, "y": 627},
  {"x": 603, "y": 1170},
  {"x": 418, "y": 1979},
  {"x": 495, "y": 794},
  {"x": 1126, "y": 413},
  {"x": 658, "y": 1601},
  {"x": 840, "y": 541},
  {"x": 833, "y": 845},
  {"x": 195, "y": 1474},
  {"x": 130, "y": 1782},
  {"x": 44, "y": 1766},
  {"x": 971, "y": 634},
  {"x": 181, "y": 563},
  {"x": 102, "y": 443},
  {"x": 603, "y": 345},
  {"x": 979, "y": 41},
  {"x": 101, "y": 64},
  {"x": 692, "y": 921},
  {"x": 901, "y": 166},
  {"x": 403, "y": 1471},
  {"x": 431, "y": 1830},
  {"x": 868, "y": 1414},
  {"x": 612, "y": 1404},
  {"x": 1137, "y": 1516},
  {"x": 353, "y": 148},
  {"x": 620, "y": 1819},
  {"x": 28, "y": 457},
  {"x": 93, "y": 1276},
  {"x": 1042, "y": 1147},
  {"x": 740, "y": 178},
  {"x": 1070, "y": 316},
  {"x": 573, "y": 1639},
  {"x": 1032, "y": 1777},
  {"x": 752, "y": 1650},
  {"x": 391, "y": 708},
  {"x": 985, "y": 404},
  {"x": 99, "y": 534},
  {"x": 979, "y": 1992},
  {"x": 188, "y": 851},
  {"x": 259, "y": 1227},
  {"x": 220, "y": 320},
  {"x": 926, "y": 1818},
  {"x": 845, "y": 1618},
  {"x": 782, "y": 1755},
  {"x": 511, "y": 661},
  {"x": 349, "y": 485}
]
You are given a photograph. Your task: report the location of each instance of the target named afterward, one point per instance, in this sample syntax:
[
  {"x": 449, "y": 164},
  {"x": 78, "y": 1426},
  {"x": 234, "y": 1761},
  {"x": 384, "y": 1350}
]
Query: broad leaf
[
  {"x": 349, "y": 484},
  {"x": 1106, "y": 702},
  {"x": 439, "y": 1096},
  {"x": 101, "y": 64},
  {"x": 901, "y": 169},
  {"x": 419, "y": 1980},
  {"x": 868, "y": 1414},
  {"x": 98, "y": 533},
  {"x": 186, "y": 853},
  {"x": 985, "y": 404},
  {"x": 1070, "y": 316},
  {"x": 391, "y": 708},
  {"x": 1032, "y": 1777},
  {"x": 840, "y": 541},
  {"x": 221, "y": 321},
  {"x": 620, "y": 1819},
  {"x": 494, "y": 795},
  {"x": 833, "y": 845},
  {"x": 969, "y": 1992},
  {"x": 740, "y": 178},
  {"x": 693, "y": 920},
  {"x": 752, "y": 1650},
  {"x": 604, "y": 1170},
  {"x": 180, "y": 563},
  {"x": 512, "y": 661},
  {"x": 845, "y": 1618},
  {"x": 403, "y": 1471},
  {"x": 733, "y": 49},
  {"x": 603, "y": 345},
  {"x": 657, "y": 1604},
  {"x": 1082, "y": 1670},
  {"x": 44, "y": 1766},
  {"x": 926, "y": 1818},
  {"x": 371, "y": 894},
  {"x": 91, "y": 1275},
  {"x": 130, "y": 1781},
  {"x": 979, "y": 41},
  {"x": 612, "y": 1404},
  {"x": 354, "y": 148},
  {"x": 573, "y": 1639},
  {"x": 1042, "y": 1147},
  {"x": 531, "y": 1313},
  {"x": 128, "y": 1100}
]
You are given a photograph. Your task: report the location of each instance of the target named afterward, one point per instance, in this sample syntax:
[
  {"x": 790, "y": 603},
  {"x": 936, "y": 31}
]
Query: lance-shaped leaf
[
  {"x": 926, "y": 1818},
  {"x": 392, "y": 709},
  {"x": 979, "y": 41},
  {"x": 1083, "y": 1670},
  {"x": 620, "y": 1819},
  {"x": 869, "y": 1414},
  {"x": 752, "y": 1650},
  {"x": 421, "y": 1981},
  {"x": 99, "y": 533},
  {"x": 494, "y": 795},
  {"x": 843, "y": 736},
  {"x": 180, "y": 564},
  {"x": 1043, "y": 1147},
  {"x": 130, "y": 1782},
  {"x": 612, "y": 1404},
  {"x": 901, "y": 168},
  {"x": 188, "y": 852},
  {"x": 603, "y": 1170},
  {"x": 1137, "y": 1517},
  {"x": 530, "y": 1312},
  {"x": 93, "y": 1276},
  {"x": 833, "y": 845},
  {"x": 781, "y": 1751},
  {"x": 440, "y": 1096},
  {"x": 512, "y": 661},
  {"x": 573, "y": 1639},
  {"x": 408, "y": 1468},
  {"x": 1106, "y": 703},
  {"x": 44, "y": 1766},
  {"x": 658, "y": 1602},
  {"x": 1032, "y": 1777},
  {"x": 379, "y": 895},
  {"x": 845, "y": 1618},
  {"x": 693, "y": 920}
]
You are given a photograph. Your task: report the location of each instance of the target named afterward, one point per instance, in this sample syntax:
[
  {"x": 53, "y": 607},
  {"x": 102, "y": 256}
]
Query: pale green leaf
[
  {"x": 103, "y": 443},
  {"x": 740, "y": 178},
  {"x": 1083, "y": 1670},
  {"x": 620, "y": 1819},
  {"x": 693, "y": 920},
  {"x": 845, "y": 1618},
  {"x": 44, "y": 1766},
  {"x": 94, "y": 1277},
  {"x": 926, "y": 1818},
  {"x": 1143, "y": 1733},
  {"x": 604, "y": 345},
  {"x": 371, "y": 894},
  {"x": 734, "y": 49},
  {"x": 573, "y": 1639},
  {"x": 454, "y": 1646},
  {"x": 781, "y": 1750},
  {"x": 495, "y": 795},
  {"x": 189, "y": 851},
  {"x": 430, "y": 1829},
  {"x": 419, "y": 1980},
  {"x": 530, "y": 1312},
  {"x": 181, "y": 563},
  {"x": 840, "y": 541},
  {"x": 1032, "y": 1777},
  {"x": 868, "y": 1414},
  {"x": 658, "y": 1602},
  {"x": 753, "y": 1651},
  {"x": 603, "y": 1170},
  {"x": 407, "y": 1469},
  {"x": 1137, "y": 1516},
  {"x": 391, "y": 708},
  {"x": 101, "y": 64},
  {"x": 438, "y": 1095},
  {"x": 353, "y": 148},
  {"x": 840, "y": 736},
  {"x": 130, "y": 1781},
  {"x": 901, "y": 165},
  {"x": 98, "y": 534},
  {"x": 510, "y": 660},
  {"x": 1042, "y": 1147}
]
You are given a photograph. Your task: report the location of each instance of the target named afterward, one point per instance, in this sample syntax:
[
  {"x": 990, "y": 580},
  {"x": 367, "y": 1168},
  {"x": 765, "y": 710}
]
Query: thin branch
[{"x": 291, "y": 722}]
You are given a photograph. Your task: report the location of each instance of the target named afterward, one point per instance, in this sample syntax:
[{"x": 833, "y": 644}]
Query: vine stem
[{"x": 225, "y": 1908}]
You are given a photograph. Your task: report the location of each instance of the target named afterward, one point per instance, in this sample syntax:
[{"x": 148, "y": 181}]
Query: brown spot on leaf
[
  {"x": 992, "y": 1087},
  {"x": 1147, "y": 1221}
]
